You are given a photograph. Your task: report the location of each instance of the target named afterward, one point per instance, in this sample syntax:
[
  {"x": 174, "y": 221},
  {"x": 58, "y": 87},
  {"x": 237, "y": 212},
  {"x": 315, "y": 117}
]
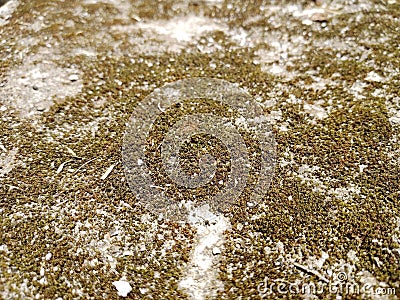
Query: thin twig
[
  {"x": 85, "y": 164},
  {"x": 160, "y": 108},
  {"x": 109, "y": 170},
  {"x": 157, "y": 187},
  {"x": 310, "y": 271},
  {"x": 61, "y": 167},
  {"x": 14, "y": 187},
  {"x": 60, "y": 203}
]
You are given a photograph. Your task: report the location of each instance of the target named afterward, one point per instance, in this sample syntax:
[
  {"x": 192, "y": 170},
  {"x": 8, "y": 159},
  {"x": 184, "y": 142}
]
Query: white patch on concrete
[
  {"x": 279, "y": 55},
  {"x": 305, "y": 173},
  {"x": 34, "y": 86},
  {"x": 274, "y": 116},
  {"x": 345, "y": 193},
  {"x": 352, "y": 256},
  {"x": 154, "y": 36},
  {"x": 181, "y": 29},
  {"x": 369, "y": 281},
  {"x": 357, "y": 89},
  {"x": 316, "y": 111},
  {"x": 374, "y": 77},
  {"x": 276, "y": 69},
  {"x": 8, "y": 161},
  {"x": 201, "y": 277},
  {"x": 6, "y": 11},
  {"x": 315, "y": 263},
  {"x": 393, "y": 107}
]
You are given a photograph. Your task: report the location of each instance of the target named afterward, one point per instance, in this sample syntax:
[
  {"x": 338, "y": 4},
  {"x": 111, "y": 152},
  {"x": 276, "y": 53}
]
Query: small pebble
[
  {"x": 114, "y": 232},
  {"x": 319, "y": 17},
  {"x": 73, "y": 77},
  {"x": 127, "y": 253},
  {"x": 307, "y": 22},
  {"x": 216, "y": 251},
  {"x": 123, "y": 287},
  {"x": 41, "y": 106}
]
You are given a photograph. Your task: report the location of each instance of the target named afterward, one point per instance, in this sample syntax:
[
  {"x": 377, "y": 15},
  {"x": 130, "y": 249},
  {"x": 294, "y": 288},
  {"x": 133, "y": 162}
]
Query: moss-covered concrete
[{"x": 54, "y": 200}]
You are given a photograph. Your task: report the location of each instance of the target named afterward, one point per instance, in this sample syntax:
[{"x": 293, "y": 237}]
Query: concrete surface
[{"x": 327, "y": 76}]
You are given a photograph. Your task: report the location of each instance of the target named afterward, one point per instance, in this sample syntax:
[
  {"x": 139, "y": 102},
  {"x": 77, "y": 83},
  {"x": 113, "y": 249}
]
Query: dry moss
[{"x": 356, "y": 132}]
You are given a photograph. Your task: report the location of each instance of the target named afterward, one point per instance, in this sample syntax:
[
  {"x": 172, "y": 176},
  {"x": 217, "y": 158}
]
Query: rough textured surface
[{"x": 71, "y": 73}]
